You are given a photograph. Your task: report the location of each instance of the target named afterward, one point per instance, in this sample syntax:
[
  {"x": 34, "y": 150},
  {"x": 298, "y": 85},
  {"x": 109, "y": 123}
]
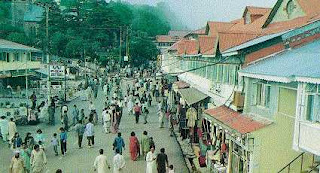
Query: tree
[{"x": 142, "y": 51}]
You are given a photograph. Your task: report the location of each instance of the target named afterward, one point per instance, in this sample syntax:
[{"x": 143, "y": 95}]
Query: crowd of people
[{"x": 138, "y": 96}]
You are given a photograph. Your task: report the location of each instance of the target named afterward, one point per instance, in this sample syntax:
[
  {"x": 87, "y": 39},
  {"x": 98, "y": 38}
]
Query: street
[{"x": 81, "y": 160}]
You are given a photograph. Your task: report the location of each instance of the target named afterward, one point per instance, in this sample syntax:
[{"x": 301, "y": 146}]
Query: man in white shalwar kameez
[
  {"x": 101, "y": 164},
  {"x": 4, "y": 128},
  {"x": 118, "y": 162},
  {"x": 12, "y": 129},
  {"x": 38, "y": 160},
  {"x": 151, "y": 161}
]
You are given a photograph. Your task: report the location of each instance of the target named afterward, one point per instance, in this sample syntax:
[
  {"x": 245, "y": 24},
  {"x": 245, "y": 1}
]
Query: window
[
  {"x": 263, "y": 95},
  {"x": 313, "y": 103},
  {"x": 290, "y": 7},
  {"x": 220, "y": 73}
]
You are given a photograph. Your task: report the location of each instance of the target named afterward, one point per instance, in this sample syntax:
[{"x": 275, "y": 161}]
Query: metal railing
[{"x": 302, "y": 163}]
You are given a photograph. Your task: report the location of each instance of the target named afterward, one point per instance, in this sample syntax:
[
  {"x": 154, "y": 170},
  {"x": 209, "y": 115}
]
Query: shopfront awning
[
  {"x": 192, "y": 95},
  {"x": 181, "y": 85},
  {"x": 234, "y": 120}
]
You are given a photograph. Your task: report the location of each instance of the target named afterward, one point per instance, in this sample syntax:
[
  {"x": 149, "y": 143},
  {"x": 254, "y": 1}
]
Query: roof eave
[{"x": 266, "y": 77}]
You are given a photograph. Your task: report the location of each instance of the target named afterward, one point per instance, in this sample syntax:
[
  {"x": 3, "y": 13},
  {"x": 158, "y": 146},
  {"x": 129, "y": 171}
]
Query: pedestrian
[
  {"x": 80, "y": 129},
  {"x": 4, "y": 128},
  {"x": 105, "y": 90},
  {"x": 16, "y": 141},
  {"x": 51, "y": 112},
  {"x": 29, "y": 140},
  {"x": 162, "y": 161},
  {"x": 33, "y": 99},
  {"x": 64, "y": 109},
  {"x": 90, "y": 133},
  {"x": 81, "y": 115},
  {"x": 137, "y": 112},
  {"x": 145, "y": 143},
  {"x": 58, "y": 171},
  {"x": 65, "y": 120},
  {"x": 75, "y": 115},
  {"x": 101, "y": 163},
  {"x": 55, "y": 143},
  {"x": 114, "y": 123},
  {"x": 12, "y": 129},
  {"x": 171, "y": 170},
  {"x": 149, "y": 98},
  {"x": 118, "y": 143},
  {"x": 38, "y": 159},
  {"x": 106, "y": 115},
  {"x": 118, "y": 162},
  {"x": 17, "y": 164},
  {"x": 151, "y": 161},
  {"x": 39, "y": 138},
  {"x": 145, "y": 111},
  {"x": 63, "y": 141},
  {"x": 134, "y": 147},
  {"x": 130, "y": 106},
  {"x": 25, "y": 153}
]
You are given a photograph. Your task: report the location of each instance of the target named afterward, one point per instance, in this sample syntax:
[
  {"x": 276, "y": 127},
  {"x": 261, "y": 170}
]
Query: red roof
[
  {"x": 164, "y": 39},
  {"x": 191, "y": 47},
  {"x": 235, "y": 120},
  {"x": 207, "y": 45},
  {"x": 257, "y": 10},
  {"x": 181, "y": 84}
]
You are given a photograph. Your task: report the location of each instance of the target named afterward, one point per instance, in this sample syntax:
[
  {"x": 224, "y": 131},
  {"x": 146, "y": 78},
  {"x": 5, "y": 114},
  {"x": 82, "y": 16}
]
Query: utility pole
[
  {"x": 47, "y": 54},
  {"x": 27, "y": 76},
  {"x": 120, "y": 37},
  {"x": 127, "y": 44}
]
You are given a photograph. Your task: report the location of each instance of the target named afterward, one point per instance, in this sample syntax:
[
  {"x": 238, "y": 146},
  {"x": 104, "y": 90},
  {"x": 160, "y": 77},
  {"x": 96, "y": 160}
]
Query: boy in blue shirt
[{"x": 63, "y": 141}]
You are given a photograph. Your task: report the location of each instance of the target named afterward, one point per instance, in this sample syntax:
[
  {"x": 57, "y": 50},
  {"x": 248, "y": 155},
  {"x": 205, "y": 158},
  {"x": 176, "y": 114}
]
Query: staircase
[{"x": 303, "y": 163}]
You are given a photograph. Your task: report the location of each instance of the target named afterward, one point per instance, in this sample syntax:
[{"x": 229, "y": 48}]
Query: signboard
[
  {"x": 126, "y": 58},
  {"x": 57, "y": 71}
]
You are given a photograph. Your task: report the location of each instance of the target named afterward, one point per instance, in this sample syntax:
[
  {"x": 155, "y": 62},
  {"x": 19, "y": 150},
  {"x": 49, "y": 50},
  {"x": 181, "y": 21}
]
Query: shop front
[{"x": 227, "y": 141}]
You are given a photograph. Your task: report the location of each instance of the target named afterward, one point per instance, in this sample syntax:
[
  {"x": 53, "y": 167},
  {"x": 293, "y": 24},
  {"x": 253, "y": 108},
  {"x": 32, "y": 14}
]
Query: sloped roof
[
  {"x": 234, "y": 120},
  {"x": 33, "y": 13},
  {"x": 9, "y": 46},
  {"x": 207, "y": 45},
  {"x": 164, "y": 39},
  {"x": 257, "y": 10},
  {"x": 192, "y": 95},
  {"x": 300, "y": 64},
  {"x": 232, "y": 39},
  {"x": 191, "y": 47},
  {"x": 179, "y": 33},
  {"x": 310, "y": 7},
  {"x": 214, "y": 27},
  {"x": 181, "y": 47}
]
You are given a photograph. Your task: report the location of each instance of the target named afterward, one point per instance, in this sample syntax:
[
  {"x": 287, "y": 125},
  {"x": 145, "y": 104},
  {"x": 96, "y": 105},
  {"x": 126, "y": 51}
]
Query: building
[
  {"x": 17, "y": 62},
  {"x": 33, "y": 15},
  {"x": 164, "y": 42},
  {"x": 238, "y": 116}
]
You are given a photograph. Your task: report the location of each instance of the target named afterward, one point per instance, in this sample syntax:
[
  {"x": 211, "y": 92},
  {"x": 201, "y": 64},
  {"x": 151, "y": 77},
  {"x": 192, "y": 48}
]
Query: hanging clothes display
[{"x": 191, "y": 117}]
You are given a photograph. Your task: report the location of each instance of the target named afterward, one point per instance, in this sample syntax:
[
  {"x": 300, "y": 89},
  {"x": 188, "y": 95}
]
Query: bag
[{"x": 202, "y": 161}]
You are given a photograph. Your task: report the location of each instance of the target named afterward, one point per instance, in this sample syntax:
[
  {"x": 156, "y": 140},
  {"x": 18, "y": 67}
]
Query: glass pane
[
  {"x": 310, "y": 104},
  {"x": 259, "y": 94},
  {"x": 267, "y": 96}
]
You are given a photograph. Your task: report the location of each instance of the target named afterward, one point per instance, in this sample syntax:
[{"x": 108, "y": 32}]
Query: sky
[{"x": 195, "y": 13}]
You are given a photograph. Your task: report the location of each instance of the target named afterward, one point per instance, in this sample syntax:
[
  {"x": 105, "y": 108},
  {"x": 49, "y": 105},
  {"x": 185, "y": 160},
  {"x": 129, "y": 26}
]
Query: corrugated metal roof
[
  {"x": 300, "y": 64},
  {"x": 254, "y": 42},
  {"x": 192, "y": 95},
  {"x": 235, "y": 120},
  {"x": 9, "y": 46}
]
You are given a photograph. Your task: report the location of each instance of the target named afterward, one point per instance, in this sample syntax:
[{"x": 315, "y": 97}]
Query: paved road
[{"x": 81, "y": 160}]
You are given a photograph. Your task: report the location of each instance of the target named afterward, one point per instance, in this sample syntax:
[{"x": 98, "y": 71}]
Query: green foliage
[
  {"x": 83, "y": 28},
  {"x": 18, "y": 37}
]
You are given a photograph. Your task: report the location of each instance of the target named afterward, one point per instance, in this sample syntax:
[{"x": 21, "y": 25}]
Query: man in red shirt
[{"x": 137, "y": 112}]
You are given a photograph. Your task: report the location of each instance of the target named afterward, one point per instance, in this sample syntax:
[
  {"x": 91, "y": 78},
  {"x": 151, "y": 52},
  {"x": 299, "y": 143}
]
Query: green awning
[{"x": 192, "y": 95}]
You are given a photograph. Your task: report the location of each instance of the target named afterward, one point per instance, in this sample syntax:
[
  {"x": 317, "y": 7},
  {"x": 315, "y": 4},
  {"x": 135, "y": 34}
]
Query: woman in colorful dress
[{"x": 134, "y": 147}]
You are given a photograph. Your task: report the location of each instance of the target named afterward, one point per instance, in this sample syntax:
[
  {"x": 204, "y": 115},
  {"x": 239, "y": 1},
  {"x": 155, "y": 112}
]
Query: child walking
[
  {"x": 63, "y": 141},
  {"x": 55, "y": 143}
]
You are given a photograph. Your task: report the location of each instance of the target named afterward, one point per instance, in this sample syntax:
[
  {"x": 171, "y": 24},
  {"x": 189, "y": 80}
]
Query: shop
[{"x": 226, "y": 140}]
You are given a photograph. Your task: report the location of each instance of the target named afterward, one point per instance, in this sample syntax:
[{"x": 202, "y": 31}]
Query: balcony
[
  {"x": 8, "y": 66},
  {"x": 308, "y": 137}
]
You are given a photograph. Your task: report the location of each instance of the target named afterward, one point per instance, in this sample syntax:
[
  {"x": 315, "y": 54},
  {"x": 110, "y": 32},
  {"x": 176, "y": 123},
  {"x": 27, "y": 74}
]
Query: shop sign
[{"x": 57, "y": 71}]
